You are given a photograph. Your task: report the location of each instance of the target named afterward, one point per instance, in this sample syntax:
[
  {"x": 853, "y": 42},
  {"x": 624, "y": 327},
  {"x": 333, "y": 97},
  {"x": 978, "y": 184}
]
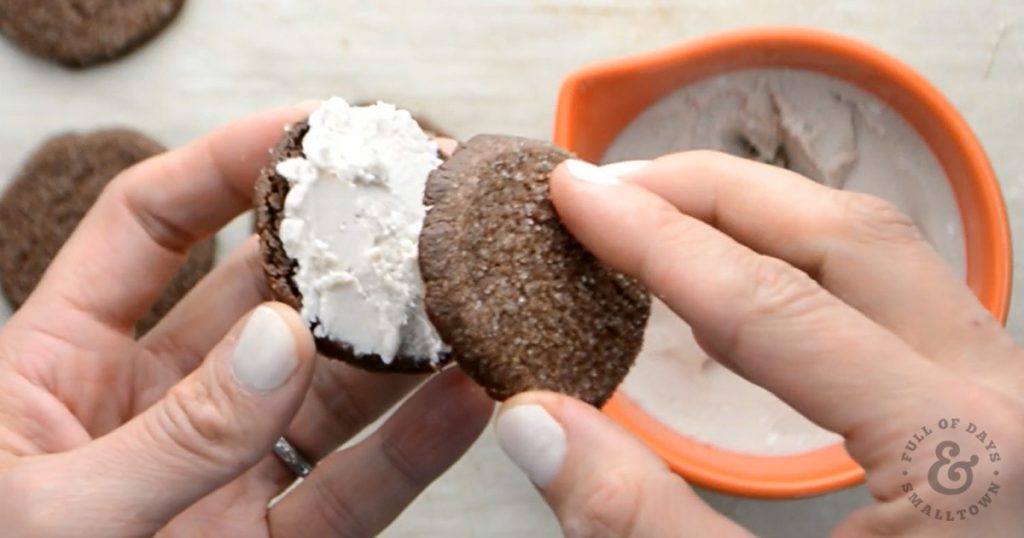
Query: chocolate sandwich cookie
[
  {"x": 79, "y": 33},
  {"x": 50, "y": 195},
  {"x": 338, "y": 211},
  {"x": 521, "y": 303}
]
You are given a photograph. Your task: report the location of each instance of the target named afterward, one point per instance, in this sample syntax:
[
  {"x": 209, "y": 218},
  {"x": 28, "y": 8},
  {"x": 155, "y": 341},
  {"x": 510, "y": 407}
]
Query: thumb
[
  {"x": 598, "y": 479},
  {"x": 208, "y": 429}
]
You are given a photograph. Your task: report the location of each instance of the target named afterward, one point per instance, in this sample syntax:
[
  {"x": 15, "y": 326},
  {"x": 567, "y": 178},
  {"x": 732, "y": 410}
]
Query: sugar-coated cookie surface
[{"x": 520, "y": 301}]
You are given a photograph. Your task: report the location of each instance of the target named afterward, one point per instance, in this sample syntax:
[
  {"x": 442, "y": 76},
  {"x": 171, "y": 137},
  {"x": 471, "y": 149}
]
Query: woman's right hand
[{"x": 831, "y": 300}]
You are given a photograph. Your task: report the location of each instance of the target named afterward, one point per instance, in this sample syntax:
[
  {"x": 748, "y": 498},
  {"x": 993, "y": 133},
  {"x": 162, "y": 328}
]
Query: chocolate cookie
[
  {"x": 79, "y": 33},
  {"x": 280, "y": 270},
  {"x": 51, "y": 194},
  {"x": 271, "y": 191},
  {"x": 521, "y": 303}
]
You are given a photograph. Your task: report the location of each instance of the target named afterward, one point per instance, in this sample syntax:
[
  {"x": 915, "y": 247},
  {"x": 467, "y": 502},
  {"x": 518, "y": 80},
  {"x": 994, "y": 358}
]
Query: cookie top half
[{"x": 521, "y": 303}]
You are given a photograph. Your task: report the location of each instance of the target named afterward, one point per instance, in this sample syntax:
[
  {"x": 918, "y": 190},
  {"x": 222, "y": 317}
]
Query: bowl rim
[{"x": 833, "y": 468}]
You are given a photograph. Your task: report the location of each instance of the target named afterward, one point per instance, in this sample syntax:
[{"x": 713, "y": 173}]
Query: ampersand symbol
[{"x": 957, "y": 472}]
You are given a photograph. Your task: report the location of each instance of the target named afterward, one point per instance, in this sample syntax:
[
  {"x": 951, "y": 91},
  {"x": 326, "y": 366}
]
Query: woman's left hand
[{"x": 103, "y": 434}]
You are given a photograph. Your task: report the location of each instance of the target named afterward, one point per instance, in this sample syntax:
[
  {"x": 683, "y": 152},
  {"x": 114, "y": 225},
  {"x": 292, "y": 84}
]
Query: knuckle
[
  {"x": 870, "y": 217},
  {"x": 674, "y": 241},
  {"x": 126, "y": 190},
  {"x": 168, "y": 348},
  {"x": 1001, "y": 414},
  {"x": 610, "y": 507},
  {"x": 773, "y": 291},
  {"x": 337, "y": 510},
  {"x": 334, "y": 389},
  {"x": 779, "y": 288},
  {"x": 699, "y": 160},
  {"x": 402, "y": 467},
  {"x": 199, "y": 420}
]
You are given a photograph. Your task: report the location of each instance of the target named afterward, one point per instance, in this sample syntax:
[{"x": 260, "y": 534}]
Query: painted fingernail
[
  {"x": 265, "y": 355},
  {"x": 589, "y": 173},
  {"x": 533, "y": 440},
  {"x": 624, "y": 168}
]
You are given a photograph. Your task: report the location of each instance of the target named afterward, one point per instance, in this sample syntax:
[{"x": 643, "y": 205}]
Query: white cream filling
[{"x": 352, "y": 220}]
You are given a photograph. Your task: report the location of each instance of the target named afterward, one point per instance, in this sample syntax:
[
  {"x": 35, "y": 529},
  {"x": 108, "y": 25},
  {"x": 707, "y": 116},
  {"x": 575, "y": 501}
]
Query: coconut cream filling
[{"x": 352, "y": 221}]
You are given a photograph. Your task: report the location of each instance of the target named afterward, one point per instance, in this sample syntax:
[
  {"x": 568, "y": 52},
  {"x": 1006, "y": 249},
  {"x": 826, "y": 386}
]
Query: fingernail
[
  {"x": 533, "y": 440},
  {"x": 308, "y": 105},
  {"x": 589, "y": 173},
  {"x": 446, "y": 145},
  {"x": 624, "y": 168},
  {"x": 265, "y": 355}
]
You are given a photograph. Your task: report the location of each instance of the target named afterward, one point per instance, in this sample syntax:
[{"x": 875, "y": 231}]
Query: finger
[
  {"x": 132, "y": 241},
  {"x": 598, "y": 479},
  {"x": 342, "y": 400},
  {"x": 859, "y": 247},
  {"x": 359, "y": 491},
  {"x": 447, "y": 146},
  {"x": 200, "y": 319},
  {"x": 209, "y": 428},
  {"x": 765, "y": 319}
]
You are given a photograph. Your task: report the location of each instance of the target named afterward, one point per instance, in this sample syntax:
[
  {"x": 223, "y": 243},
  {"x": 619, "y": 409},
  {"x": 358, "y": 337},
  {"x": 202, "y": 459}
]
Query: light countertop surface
[{"x": 495, "y": 66}]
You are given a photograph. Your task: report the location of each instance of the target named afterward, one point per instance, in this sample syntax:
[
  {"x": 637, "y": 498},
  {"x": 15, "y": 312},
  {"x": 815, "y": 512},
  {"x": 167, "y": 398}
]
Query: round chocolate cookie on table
[
  {"x": 53, "y": 191},
  {"x": 80, "y": 33},
  {"x": 399, "y": 261}
]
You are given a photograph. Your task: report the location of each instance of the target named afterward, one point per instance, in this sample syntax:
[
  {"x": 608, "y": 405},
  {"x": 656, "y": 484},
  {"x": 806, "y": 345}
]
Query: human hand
[
  {"x": 879, "y": 341},
  {"x": 105, "y": 435}
]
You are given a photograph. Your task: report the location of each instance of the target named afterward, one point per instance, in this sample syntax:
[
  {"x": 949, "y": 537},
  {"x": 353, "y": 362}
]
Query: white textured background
[{"x": 495, "y": 65}]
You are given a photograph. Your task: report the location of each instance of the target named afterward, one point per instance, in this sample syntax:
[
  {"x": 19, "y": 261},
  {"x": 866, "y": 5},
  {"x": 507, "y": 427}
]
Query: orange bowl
[{"x": 597, "y": 102}]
